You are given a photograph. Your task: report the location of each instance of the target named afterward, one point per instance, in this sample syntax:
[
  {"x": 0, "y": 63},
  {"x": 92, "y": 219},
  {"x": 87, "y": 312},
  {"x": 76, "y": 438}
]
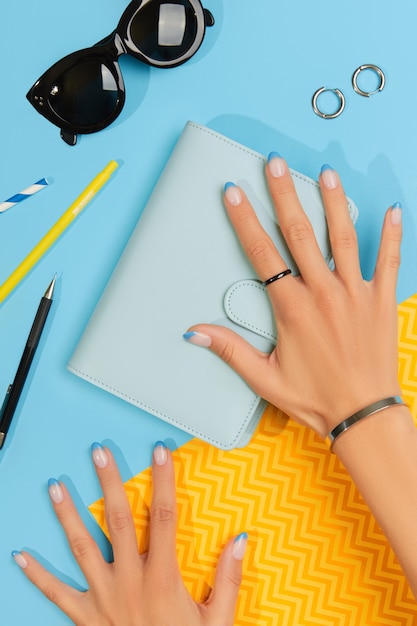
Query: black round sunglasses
[{"x": 84, "y": 92}]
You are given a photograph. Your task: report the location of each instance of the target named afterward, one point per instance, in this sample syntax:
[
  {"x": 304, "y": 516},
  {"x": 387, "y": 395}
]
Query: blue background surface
[{"x": 252, "y": 79}]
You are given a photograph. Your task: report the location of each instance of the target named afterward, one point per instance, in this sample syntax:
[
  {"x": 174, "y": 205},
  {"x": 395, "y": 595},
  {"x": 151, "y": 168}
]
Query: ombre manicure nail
[
  {"x": 99, "y": 455},
  {"x": 239, "y": 546},
  {"x": 329, "y": 177},
  {"x": 19, "y": 559},
  {"x": 160, "y": 453},
  {"x": 232, "y": 194},
  {"x": 199, "y": 339},
  {"x": 396, "y": 213},
  {"x": 277, "y": 165},
  {"x": 55, "y": 491}
]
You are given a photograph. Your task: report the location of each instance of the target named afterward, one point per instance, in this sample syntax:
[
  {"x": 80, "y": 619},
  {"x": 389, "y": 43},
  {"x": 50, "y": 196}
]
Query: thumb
[
  {"x": 221, "y": 605},
  {"x": 251, "y": 364}
]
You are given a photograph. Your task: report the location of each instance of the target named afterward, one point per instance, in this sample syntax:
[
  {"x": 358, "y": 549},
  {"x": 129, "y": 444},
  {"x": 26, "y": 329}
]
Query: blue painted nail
[
  {"x": 276, "y": 164},
  {"x": 326, "y": 167},
  {"x": 55, "y": 491},
  {"x": 239, "y": 546},
  {"x": 328, "y": 177},
  {"x": 19, "y": 559},
  {"x": 99, "y": 455},
  {"x": 274, "y": 155},
  {"x": 199, "y": 339},
  {"x": 160, "y": 454},
  {"x": 396, "y": 213},
  {"x": 233, "y": 194}
]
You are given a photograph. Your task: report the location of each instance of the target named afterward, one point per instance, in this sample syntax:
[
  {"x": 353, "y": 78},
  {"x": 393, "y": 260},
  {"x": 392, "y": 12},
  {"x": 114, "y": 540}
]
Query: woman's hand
[
  {"x": 337, "y": 346},
  {"x": 136, "y": 589}
]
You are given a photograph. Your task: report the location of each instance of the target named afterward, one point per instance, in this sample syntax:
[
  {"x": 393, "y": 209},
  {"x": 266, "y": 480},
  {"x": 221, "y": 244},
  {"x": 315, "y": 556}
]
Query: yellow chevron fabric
[{"x": 315, "y": 554}]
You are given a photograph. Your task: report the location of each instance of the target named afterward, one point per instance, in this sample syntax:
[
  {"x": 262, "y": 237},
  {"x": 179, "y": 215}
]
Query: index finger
[
  {"x": 255, "y": 241},
  {"x": 118, "y": 514},
  {"x": 163, "y": 525}
]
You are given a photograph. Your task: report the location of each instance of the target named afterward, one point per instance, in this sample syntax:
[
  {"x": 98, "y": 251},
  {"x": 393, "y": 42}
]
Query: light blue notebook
[{"x": 183, "y": 265}]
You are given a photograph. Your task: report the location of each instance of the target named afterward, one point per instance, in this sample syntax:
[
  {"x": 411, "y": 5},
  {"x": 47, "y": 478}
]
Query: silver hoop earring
[
  {"x": 319, "y": 112},
  {"x": 373, "y": 68}
]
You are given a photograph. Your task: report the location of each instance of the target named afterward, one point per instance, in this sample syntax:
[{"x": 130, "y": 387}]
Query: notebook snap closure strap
[{"x": 247, "y": 304}]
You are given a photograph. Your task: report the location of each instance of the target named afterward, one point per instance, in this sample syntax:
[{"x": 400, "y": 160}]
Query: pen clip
[{"x": 5, "y": 401}]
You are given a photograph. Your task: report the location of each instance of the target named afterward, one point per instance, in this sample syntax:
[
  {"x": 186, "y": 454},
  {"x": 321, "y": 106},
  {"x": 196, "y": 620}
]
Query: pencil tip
[{"x": 50, "y": 290}]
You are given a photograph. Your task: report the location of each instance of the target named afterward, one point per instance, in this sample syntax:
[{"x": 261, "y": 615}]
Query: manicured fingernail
[
  {"x": 239, "y": 546},
  {"x": 396, "y": 213},
  {"x": 160, "y": 454},
  {"x": 55, "y": 491},
  {"x": 329, "y": 177},
  {"x": 19, "y": 559},
  {"x": 99, "y": 455},
  {"x": 277, "y": 165},
  {"x": 232, "y": 194},
  {"x": 199, "y": 339}
]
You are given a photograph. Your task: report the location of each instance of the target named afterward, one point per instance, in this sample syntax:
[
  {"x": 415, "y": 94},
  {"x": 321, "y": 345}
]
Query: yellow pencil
[{"x": 57, "y": 229}]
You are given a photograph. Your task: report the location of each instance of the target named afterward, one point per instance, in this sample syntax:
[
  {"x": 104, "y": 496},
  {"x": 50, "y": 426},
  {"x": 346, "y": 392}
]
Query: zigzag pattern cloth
[
  {"x": 315, "y": 554},
  {"x": 407, "y": 332}
]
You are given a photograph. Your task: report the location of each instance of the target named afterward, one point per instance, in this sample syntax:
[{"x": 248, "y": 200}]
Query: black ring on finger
[{"x": 276, "y": 277}]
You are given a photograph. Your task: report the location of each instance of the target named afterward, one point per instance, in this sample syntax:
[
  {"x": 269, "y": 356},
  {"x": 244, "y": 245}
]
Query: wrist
[
  {"x": 353, "y": 420},
  {"x": 346, "y": 403},
  {"x": 380, "y": 455},
  {"x": 367, "y": 432}
]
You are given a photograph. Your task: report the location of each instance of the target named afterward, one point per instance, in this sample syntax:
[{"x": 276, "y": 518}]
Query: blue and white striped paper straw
[{"x": 26, "y": 193}]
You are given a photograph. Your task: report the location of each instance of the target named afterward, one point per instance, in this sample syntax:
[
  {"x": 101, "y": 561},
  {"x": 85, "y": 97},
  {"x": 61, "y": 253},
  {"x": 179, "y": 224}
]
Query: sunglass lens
[
  {"x": 166, "y": 31},
  {"x": 82, "y": 96},
  {"x": 85, "y": 95}
]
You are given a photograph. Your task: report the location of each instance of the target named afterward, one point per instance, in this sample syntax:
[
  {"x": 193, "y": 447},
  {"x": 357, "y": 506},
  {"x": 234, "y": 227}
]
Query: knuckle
[
  {"x": 294, "y": 310},
  {"x": 325, "y": 300},
  {"x": 163, "y": 513},
  {"x": 107, "y": 479},
  {"x": 118, "y": 521},
  {"x": 226, "y": 353},
  {"x": 163, "y": 578},
  {"x": 345, "y": 239},
  {"x": 80, "y": 547},
  {"x": 50, "y": 593},
  {"x": 284, "y": 187},
  {"x": 393, "y": 261},
  {"x": 244, "y": 216},
  {"x": 259, "y": 249},
  {"x": 234, "y": 579},
  {"x": 395, "y": 236},
  {"x": 293, "y": 314},
  {"x": 299, "y": 231}
]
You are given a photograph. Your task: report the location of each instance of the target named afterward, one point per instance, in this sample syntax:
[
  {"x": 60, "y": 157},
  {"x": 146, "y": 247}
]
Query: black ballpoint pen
[{"x": 15, "y": 389}]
